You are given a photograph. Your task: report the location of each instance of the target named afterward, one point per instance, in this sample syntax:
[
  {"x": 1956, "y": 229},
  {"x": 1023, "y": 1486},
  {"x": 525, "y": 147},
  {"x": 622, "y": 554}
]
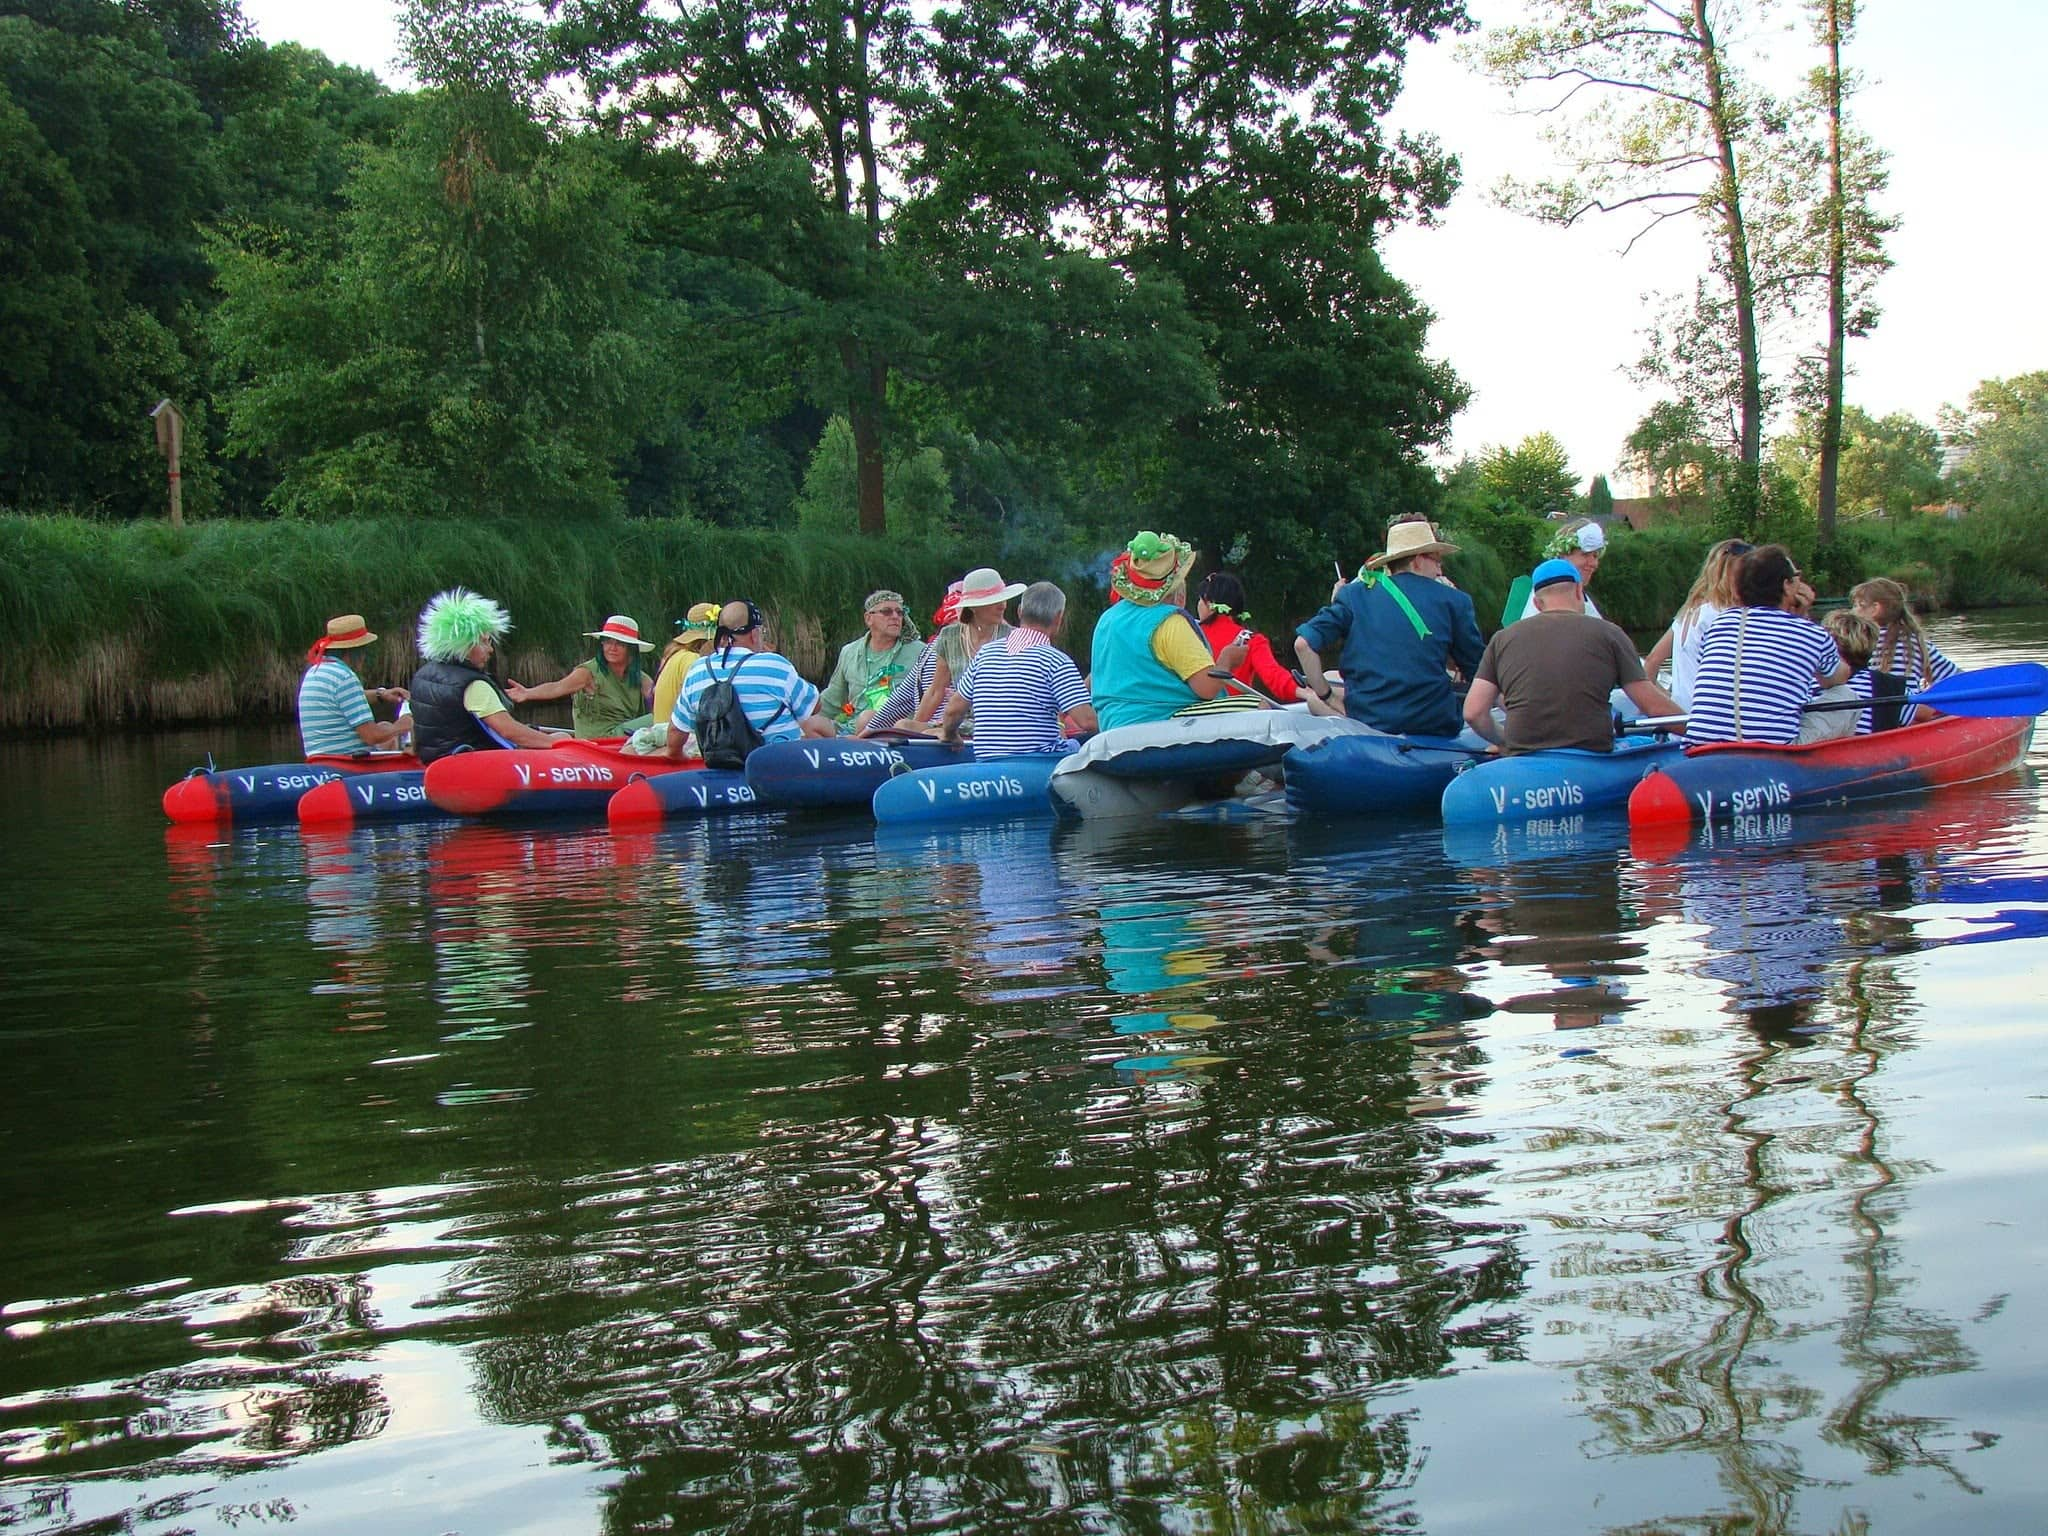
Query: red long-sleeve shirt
[{"x": 1261, "y": 667}]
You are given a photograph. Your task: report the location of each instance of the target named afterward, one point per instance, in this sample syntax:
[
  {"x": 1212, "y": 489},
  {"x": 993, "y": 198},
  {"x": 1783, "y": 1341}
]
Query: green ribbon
[{"x": 1371, "y": 579}]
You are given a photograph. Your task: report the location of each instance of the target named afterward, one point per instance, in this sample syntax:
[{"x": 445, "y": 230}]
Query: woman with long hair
[
  {"x": 1902, "y": 645},
  {"x": 1712, "y": 594}
]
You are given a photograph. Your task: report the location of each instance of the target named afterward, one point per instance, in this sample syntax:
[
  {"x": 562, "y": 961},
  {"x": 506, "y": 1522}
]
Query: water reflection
[{"x": 789, "y": 1171}]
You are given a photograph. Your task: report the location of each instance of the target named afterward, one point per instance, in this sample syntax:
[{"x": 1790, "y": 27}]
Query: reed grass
[{"x": 102, "y": 623}]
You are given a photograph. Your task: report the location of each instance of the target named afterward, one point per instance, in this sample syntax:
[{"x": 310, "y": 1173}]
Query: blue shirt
[
  {"x": 331, "y": 706},
  {"x": 1019, "y": 695},
  {"x": 772, "y": 694},
  {"x": 1394, "y": 679}
]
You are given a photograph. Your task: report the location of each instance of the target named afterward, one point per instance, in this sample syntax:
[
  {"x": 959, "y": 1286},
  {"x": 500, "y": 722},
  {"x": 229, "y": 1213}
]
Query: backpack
[{"x": 724, "y": 733}]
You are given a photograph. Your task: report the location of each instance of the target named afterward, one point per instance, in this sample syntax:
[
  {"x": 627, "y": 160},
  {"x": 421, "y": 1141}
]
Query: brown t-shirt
[{"x": 1555, "y": 672}]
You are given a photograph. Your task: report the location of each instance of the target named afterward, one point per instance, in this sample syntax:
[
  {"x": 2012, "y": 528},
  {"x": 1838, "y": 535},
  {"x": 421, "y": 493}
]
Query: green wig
[{"x": 456, "y": 621}]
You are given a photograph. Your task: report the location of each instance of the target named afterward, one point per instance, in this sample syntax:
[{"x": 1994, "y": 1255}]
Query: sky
[{"x": 1541, "y": 322}]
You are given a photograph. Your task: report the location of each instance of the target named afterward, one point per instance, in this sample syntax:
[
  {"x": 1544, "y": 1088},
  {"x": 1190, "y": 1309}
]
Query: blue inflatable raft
[
  {"x": 990, "y": 789},
  {"x": 811, "y": 774},
  {"x": 645, "y": 801},
  {"x": 1369, "y": 774},
  {"x": 1546, "y": 786}
]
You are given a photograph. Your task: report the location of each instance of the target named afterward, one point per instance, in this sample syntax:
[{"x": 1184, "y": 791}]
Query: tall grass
[{"x": 106, "y": 622}]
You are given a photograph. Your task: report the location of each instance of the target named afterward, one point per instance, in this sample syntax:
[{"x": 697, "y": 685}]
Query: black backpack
[{"x": 724, "y": 733}]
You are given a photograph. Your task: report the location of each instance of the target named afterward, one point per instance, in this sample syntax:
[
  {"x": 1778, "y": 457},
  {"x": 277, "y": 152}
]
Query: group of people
[{"x": 1746, "y": 660}]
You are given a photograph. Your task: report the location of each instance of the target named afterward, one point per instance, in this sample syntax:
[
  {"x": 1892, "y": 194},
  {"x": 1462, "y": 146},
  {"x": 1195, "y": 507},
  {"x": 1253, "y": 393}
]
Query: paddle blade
[{"x": 2020, "y": 688}]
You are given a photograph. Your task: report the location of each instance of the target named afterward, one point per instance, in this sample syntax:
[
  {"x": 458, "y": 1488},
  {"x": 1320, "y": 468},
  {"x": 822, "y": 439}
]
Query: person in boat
[
  {"x": 984, "y": 600},
  {"x": 1856, "y": 637},
  {"x": 1396, "y": 630},
  {"x": 1712, "y": 594},
  {"x": 869, "y": 667},
  {"x": 776, "y": 700},
  {"x": 1903, "y": 648},
  {"x": 898, "y": 712},
  {"x": 1220, "y": 610},
  {"x": 1761, "y": 660},
  {"x": 611, "y": 690},
  {"x": 1554, "y": 673},
  {"x": 691, "y": 640},
  {"x": 1581, "y": 541},
  {"x": 1148, "y": 658},
  {"x": 456, "y": 704},
  {"x": 334, "y": 708},
  {"x": 1026, "y": 693}
]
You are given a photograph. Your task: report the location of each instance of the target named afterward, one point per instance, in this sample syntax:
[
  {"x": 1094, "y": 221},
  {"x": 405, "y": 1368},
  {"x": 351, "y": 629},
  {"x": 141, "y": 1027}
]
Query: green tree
[
  {"x": 1888, "y": 464},
  {"x": 1671, "y": 454},
  {"x": 1599, "y": 498},
  {"x": 1240, "y": 156},
  {"x": 2004, "y": 472},
  {"x": 1535, "y": 474},
  {"x": 482, "y": 341}
]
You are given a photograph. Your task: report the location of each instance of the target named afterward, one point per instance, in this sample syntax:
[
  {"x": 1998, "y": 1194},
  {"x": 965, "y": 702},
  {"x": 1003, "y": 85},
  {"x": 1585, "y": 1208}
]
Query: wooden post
[{"x": 170, "y": 441}]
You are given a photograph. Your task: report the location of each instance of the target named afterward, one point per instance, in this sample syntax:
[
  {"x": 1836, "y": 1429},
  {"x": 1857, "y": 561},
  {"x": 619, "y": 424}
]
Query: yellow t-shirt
[
  {"x": 482, "y": 700},
  {"x": 1181, "y": 649},
  {"x": 669, "y": 683}
]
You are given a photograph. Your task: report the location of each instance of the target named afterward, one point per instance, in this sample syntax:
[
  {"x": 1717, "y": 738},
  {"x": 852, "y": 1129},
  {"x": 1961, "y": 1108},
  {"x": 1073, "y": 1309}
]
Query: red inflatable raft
[
  {"x": 578, "y": 778},
  {"x": 267, "y": 793}
]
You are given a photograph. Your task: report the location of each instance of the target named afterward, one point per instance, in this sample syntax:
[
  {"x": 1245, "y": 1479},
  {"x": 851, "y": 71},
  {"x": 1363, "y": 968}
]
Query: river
[{"x": 786, "y": 1174}]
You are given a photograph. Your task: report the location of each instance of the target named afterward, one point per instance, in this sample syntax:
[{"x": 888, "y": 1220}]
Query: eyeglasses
[{"x": 888, "y": 613}]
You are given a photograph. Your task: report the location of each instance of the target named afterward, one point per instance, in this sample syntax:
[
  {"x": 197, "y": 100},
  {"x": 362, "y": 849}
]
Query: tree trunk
[
  {"x": 1838, "y": 282},
  {"x": 868, "y": 379},
  {"x": 1750, "y": 427}
]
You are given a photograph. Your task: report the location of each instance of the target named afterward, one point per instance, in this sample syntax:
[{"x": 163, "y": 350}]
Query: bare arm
[
  {"x": 928, "y": 701},
  {"x": 379, "y": 733},
  {"x": 1660, "y": 653},
  {"x": 1650, "y": 699},
  {"x": 575, "y": 680},
  {"x": 949, "y": 721},
  {"x": 1080, "y": 720},
  {"x": 1479, "y": 701}
]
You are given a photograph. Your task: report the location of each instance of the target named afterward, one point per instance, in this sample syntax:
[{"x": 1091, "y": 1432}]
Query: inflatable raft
[
  {"x": 578, "y": 779},
  {"x": 359, "y": 798},
  {"x": 270, "y": 792},
  {"x": 989, "y": 789},
  {"x": 1369, "y": 773},
  {"x": 846, "y": 772},
  {"x": 644, "y": 802},
  {"x": 1162, "y": 765},
  {"x": 1743, "y": 780},
  {"x": 1550, "y": 786}
]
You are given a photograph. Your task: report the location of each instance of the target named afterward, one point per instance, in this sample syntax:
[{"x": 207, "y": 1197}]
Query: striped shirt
[
  {"x": 331, "y": 705},
  {"x": 908, "y": 690},
  {"x": 1909, "y": 651},
  {"x": 772, "y": 694},
  {"x": 1019, "y": 690},
  {"x": 1781, "y": 657}
]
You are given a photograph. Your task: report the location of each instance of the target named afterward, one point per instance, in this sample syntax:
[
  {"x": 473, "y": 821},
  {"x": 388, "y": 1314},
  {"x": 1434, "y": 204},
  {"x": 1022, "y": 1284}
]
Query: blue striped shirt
[
  {"x": 772, "y": 694},
  {"x": 1908, "y": 653},
  {"x": 331, "y": 705},
  {"x": 1781, "y": 656},
  {"x": 1019, "y": 689}
]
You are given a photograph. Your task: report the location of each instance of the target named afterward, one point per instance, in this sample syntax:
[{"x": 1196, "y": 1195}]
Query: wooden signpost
[{"x": 170, "y": 441}]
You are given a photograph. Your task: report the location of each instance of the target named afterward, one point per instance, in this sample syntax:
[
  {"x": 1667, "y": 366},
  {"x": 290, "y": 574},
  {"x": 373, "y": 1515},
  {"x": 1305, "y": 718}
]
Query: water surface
[{"x": 1183, "y": 1176}]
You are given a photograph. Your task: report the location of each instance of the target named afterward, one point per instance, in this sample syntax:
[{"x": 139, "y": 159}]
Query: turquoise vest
[{"x": 1126, "y": 683}]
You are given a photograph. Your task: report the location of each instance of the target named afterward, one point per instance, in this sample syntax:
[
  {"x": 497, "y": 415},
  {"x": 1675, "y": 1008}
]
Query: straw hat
[
  {"x": 696, "y": 628},
  {"x": 346, "y": 633},
  {"x": 1406, "y": 540},
  {"x": 622, "y": 629}
]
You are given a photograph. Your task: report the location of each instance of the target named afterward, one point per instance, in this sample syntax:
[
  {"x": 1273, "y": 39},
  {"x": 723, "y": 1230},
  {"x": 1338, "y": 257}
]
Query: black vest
[{"x": 439, "y": 722}]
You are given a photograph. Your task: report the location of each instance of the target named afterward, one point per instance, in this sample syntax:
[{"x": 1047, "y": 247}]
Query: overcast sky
[{"x": 1540, "y": 322}]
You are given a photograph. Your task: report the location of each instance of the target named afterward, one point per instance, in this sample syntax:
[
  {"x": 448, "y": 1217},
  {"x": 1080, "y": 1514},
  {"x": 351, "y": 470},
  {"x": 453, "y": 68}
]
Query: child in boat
[
  {"x": 1856, "y": 637},
  {"x": 1902, "y": 646}
]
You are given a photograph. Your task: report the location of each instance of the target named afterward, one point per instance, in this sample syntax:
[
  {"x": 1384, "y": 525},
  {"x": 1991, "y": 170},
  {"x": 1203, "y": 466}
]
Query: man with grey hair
[
  {"x": 870, "y": 665},
  {"x": 1027, "y": 695}
]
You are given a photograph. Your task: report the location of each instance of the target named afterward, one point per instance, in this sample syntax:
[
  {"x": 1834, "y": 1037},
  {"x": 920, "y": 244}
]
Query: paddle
[{"x": 1990, "y": 693}]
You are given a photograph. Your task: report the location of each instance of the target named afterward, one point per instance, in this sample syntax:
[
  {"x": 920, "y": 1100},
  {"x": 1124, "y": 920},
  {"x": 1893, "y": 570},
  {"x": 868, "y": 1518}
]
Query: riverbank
[{"x": 110, "y": 623}]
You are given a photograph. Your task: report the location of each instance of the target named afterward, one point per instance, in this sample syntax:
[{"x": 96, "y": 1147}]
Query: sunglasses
[{"x": 888, "y": 613}]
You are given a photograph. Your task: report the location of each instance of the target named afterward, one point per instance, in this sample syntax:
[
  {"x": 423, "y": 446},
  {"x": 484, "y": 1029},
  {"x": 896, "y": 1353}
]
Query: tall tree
[
  {"x": 1853, "y": 237},
  {"x": 1535, "y": 474},
  {"x": 806, "y": 103},
  {"x": 1239, "y": 153},
  {"x": 1667, "y": 136}
]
